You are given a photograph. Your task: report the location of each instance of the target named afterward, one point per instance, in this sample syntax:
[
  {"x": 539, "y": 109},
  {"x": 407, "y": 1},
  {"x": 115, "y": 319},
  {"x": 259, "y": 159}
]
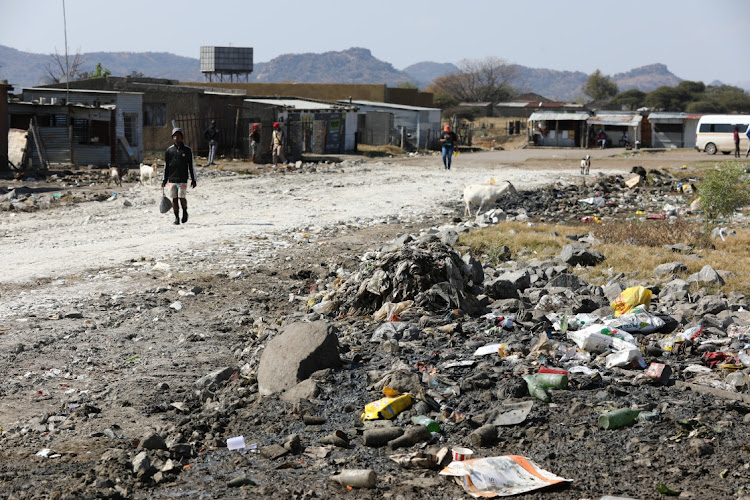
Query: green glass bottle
[
  {"x": 618, "y": 418},
  {"x": 431, "y": 425}
]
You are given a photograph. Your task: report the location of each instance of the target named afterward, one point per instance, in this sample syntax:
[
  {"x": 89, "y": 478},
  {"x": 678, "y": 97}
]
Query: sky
[{"x": 702, "y": 40}]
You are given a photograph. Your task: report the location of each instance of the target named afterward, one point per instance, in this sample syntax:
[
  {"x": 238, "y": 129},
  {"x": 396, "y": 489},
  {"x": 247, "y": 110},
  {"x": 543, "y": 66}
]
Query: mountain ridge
[{"x": 353, "y": 65}]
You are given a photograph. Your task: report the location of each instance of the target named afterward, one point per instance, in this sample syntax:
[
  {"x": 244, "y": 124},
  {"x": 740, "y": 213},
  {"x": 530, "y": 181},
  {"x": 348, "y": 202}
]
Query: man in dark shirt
[
  {"x": 179, "y": 164},
  {"x": 448, "y": 144},
  {"x": 212, "y": 134}
]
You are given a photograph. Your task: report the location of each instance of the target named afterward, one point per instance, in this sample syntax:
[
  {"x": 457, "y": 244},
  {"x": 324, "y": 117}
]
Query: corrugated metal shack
[
  {"x": 78, "y": 127},
  {"x": 421, "y": 126},
  {"x": 311, "y": 126},
  {"x": 65, "y": 134},
  {"x": 673, "y": 130},
  {"x": 613, "y": 125},
  {"x": 553, "y": 128}
]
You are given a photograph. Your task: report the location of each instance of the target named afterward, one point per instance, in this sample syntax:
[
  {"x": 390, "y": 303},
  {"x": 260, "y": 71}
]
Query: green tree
[
  {"x": 705, "y": 107},
  {"x": 724, "y": 189},
  {"x": 599, "y": 87},
  {"x": 668, "y": 99},
  {"x": 632, "y": 99},
  {"x": 99, "y": 72},
  {"x": 406, "y": 85},
  {"x": 692, "y": 88},
  {"x": 485, "y": 80},
  {"x": 734, "y": 102}
]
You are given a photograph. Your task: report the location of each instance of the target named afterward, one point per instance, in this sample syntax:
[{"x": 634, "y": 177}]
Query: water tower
[{"x": 226, "y": 63}]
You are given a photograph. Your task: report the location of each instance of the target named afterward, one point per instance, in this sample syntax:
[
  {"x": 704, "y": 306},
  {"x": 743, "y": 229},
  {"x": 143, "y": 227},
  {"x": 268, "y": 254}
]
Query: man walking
[
  {"x": 179, "y": 164},
  {"x": 277, "y": 145},
  {"x": 254, "y": 142},
  {"x": 212, "y": 134},
  {"x": 736, "y": 137}
]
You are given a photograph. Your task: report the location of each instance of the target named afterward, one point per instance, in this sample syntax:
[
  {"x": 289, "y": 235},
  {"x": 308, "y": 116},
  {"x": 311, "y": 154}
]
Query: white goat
[
  {"x": 115, "y": 175},
  {"x": 586, "y": 165},
  {"x": 148, "y": 172},
  {"x": 485, "y": 194}
]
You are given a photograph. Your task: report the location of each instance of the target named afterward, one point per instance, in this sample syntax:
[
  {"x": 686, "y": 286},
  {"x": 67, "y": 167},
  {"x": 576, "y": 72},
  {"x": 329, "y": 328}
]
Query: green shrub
[{"x": 724, "y": 189}]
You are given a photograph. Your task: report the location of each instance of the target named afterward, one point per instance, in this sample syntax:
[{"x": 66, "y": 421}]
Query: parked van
[{"x": 716, "y": 133}]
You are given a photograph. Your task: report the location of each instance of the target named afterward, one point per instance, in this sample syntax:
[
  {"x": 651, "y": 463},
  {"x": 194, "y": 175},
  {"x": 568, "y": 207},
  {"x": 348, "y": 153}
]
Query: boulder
[
  {"x": 710, "y": 304},
  {"x": 567, "y": 281},
  {"x": 295, "y": 353},
  {"x": 669, "y": 268},
  {"x": 676, "y": 289},
  {"x": 707, "y": 276},
  {"x": 307, "y": 389},
  {"x": 575, "y": 254}
]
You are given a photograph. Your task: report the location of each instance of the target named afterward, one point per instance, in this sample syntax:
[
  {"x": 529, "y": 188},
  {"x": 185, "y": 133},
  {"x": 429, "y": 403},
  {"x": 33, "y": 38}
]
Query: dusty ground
[{"x": 96, "y": 352}]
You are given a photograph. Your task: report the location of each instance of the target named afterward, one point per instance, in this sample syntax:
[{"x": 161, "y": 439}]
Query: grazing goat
[
  {"x": 586, "y": 165},
  {"x": 148, "y": 172},
  {"x": 115, "y": 175},
  {"x": 485, "y": 194}
]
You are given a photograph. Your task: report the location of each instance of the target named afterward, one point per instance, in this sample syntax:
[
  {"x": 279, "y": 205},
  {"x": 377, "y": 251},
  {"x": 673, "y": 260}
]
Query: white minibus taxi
[{"x": 716, "y": 133}]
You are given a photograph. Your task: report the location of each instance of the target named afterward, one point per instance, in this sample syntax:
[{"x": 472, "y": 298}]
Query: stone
[
  {"x": 710, "y": 304},
  {"x": 575, "y": 254},
  {"x": 473, "y": 269},
  {"x": 707, "y": 275},
  {"x": 676, "y": 289},
  {"x": 566, "y": 280},
  {"x": 295, "y": 353},
  {"x": 213, "y": 379},
  {"x": 307, "y": 389},
  {"x": 449, "y": 236},
  {"x": 669, "y": 268},
  {"x": 153, "y": 441},
  {"x": 141, "y": 463}
]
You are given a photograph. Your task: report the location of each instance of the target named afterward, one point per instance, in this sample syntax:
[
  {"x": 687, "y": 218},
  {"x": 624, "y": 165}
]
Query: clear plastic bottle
[{"x": 431, "y": 424}]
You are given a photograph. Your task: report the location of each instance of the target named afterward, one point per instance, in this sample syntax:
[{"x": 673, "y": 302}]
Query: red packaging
[{"x": 544, "y": 369}]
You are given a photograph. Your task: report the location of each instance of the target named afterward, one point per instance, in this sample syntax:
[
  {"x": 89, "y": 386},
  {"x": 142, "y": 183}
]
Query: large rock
[
  {"x": 295, "y": 353},
  {"x": 675, "y": 290},
  {"x": 575, "y": 254},
  {"x": 707, "y": 276},
  {"x": 669, "y": 268},
  {"x": 508, "y": 284},
  {"x": 710, "y": 304}
]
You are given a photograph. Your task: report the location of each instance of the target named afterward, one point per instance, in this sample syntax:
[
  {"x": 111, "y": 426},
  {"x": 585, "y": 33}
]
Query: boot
[
  {"x": 184, "y": 216},
  {"x": 176, "y": 219}
]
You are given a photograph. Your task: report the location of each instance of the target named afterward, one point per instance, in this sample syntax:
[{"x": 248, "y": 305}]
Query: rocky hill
[{"x": 354, "y": 65}]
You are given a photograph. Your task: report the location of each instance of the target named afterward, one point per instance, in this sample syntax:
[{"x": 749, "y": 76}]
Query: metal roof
[
  {"x": 300, "y": 104},
  {"x": 77, "y": 91},
  {"x": 619, "y": 119},
  {"x": 671, "y": 117},
  {"x": 557, "y": 115},
  {"x": 388, "y": 105}
]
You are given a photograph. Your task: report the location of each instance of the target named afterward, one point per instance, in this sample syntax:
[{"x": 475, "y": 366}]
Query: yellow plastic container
[{"x": 386, "y": 408}]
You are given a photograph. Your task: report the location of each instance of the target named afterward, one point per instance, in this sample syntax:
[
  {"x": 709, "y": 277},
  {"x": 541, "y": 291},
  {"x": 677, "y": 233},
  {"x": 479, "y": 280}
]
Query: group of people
[{"x": 179, "y": 165}]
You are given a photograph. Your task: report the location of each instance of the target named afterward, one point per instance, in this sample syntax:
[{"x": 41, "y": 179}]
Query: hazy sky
[{"x": 702, "y": 40}]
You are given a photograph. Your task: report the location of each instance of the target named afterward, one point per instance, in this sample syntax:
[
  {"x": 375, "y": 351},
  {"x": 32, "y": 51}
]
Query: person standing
[
  {"x": 277, "y": 145},
  {"x": 736, "y": 142},
  {"x": 747, "y": 133},
  {"x": 212, "y": 134},
  {"x": 448, "y": 140},
  {"x": 254, "y": 142},
  {"x": 602, "y": 139},
  {"x": 178, "y": 166}
]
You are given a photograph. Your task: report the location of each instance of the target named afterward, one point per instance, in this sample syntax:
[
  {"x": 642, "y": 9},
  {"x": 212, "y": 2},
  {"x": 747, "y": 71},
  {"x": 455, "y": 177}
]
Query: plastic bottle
[
  {"x": 431, "y": 424},
  {"x": 553, "y": 380},
  {"x": 356, "y": 478},
  {"x": 618, "y": 418},
  {"x": 535, "y": 389}
]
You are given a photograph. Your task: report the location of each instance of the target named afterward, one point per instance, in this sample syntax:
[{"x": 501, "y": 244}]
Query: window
[
  {"x": 81, "y": 131},
  {"x": 154, "y": 115}
]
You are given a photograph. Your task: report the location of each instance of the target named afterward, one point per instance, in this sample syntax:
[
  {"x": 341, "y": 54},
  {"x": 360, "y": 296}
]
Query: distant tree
[
  {"x": 136, "y": 74},
  {"x": 715, "y": 90},
  {"x": 705, "y": 107},
  {"x": 406, "y": 85},
  {"x": 99, "y": 72},
  {"x": 734, "y": 102},
  {"x": 599, "y": 87},
  {"x": 632, "y": 99},
  {"x": 485, "y": 80},
  {"x": 668, "y": 99},
  {"x": 444, "y": 101},
  {"x": 463, "y": 112},
  {"x": 57, "y": 71},
  {"x": 692, "y": 88}
]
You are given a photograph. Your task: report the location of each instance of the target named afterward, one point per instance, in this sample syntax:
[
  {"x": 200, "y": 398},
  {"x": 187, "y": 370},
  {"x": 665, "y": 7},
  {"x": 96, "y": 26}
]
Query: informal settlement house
[
  {"x": 310, "y": 126},
  {"x": 558, "y": 129},
  {"x": 614, "y": 125},
  {"x": 387, "y": 123},
  {"x": 77, "y": 127},
  {"x": 673, "y": 130}
]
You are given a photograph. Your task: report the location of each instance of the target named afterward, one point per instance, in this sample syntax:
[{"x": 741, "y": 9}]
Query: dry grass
[
  {"x": 380, "y": 151},
  {"x": 635, "y": 255},
  {"x": 492, "y": 132}
]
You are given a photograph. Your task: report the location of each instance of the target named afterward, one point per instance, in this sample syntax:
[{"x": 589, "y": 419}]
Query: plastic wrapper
[
  {"x": 630, "y": 298},
  {"x": 500, "y": 476},
  {"x": 636, "y": 320},
  {"x": 386, "y": 408}
]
